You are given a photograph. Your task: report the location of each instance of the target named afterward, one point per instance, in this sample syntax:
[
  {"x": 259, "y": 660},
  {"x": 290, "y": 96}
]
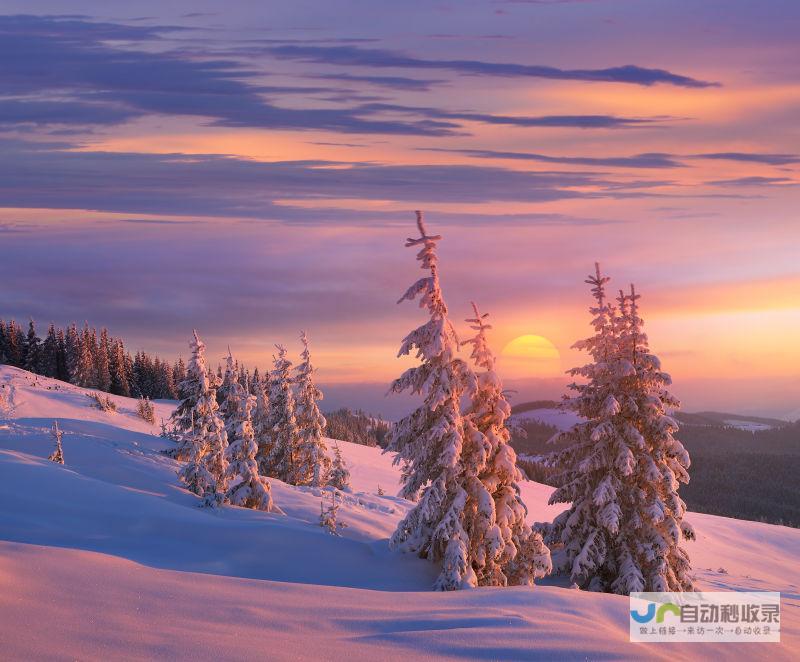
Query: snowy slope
[
  {"x": 747, "y": 426},
  {"x": 108, "y": 557},
  {"x": 561, "y": 419}
]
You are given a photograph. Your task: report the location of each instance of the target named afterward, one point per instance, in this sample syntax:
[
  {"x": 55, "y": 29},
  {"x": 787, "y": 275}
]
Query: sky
[{"x": 251, "y": 169}]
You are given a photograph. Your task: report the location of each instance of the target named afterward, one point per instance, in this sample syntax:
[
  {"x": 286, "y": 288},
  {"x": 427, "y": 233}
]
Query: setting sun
[
  {"x": 311, "y": 308},
  {"x": 530, "y": 356}
]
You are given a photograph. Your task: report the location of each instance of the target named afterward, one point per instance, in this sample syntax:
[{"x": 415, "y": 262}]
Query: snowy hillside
[
  {"x": 109, "y": 557},
  {"x": 561, "y": 419}
]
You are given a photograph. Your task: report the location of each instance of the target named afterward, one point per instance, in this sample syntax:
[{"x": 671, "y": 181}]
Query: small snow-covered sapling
[{"x": 57, "y": 455}]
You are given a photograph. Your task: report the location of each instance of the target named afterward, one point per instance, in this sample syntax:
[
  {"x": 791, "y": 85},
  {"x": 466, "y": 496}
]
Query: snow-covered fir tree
[
  {"x": 311, "y": 458},
  {"x": 33, "y": 345},
  {"x": 14, "y": 344},
  {"x": 198, "y": 380},
  {"x": 230, "y": 378},
  {"x": 57, "y": 455},
  {"x": 178, "y": 375},
  {"x": 61, "y": 361},
  {"x": 88, "y": 354},
  {"x": 339, "y": 476},
  {"x": 247, "y": 488},
  {"x": 281, "y": 463},
  {"x": 232, "y": 392},
  {"x": 203, "y": 439},
  {"x": 73, "y": 353},
  {"x": 215, "y": 459},
  {"x": 120, "y": 379},
  {"x": 503, "y": 549},
  {"x": 329, "y": 515},
  {"x": 49, "y": 355},
  {"x": 146, "y": 410},
  {"x": 622, "y": 466},
  {"x": 79, "y": 357},
  {"x": 261, "y": 422},
  {"x": 429, "y": 442},
  {"x": 102, "y": 362},
  {"x": 167, "y": 432}
]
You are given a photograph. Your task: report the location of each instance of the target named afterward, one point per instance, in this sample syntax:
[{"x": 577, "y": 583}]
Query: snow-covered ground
[
  {"x": 108, "y": 557},
  {"x": 748, "y": 426}
]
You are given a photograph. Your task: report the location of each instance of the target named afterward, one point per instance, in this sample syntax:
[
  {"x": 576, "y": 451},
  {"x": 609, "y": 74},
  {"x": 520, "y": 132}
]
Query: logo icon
[{"x": 651, "y": 611}]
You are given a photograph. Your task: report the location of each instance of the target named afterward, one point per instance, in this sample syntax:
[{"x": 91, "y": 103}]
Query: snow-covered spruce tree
[
  {"x": 49, "y": 355},
  {"x": 280, "y": 463},
  {"x": 230, "y": 379},
  {"x": 178, "y": 375},
  {"x": 120, "y": 381},
  {"x": 204, "y": 440},
  {"x": 198, "y": 380},
  {"x": 146, "y": 410},
  {"x": 328, "y": 517},
  {"x": 622, "y": 467},
  {"x": 232, "y": 393},
  {"x": 429, "y": 441},
  {"x": 88, "y": 353},
  {"x": 102, "y": 363},
  {"x": 246, "y": 488},
  {"x": 73, "y": 355},
  {"x": 261, "y": 425},
  {"x": 339, "y": 476},
  {"x": 311, "y": 458},
  {"x": 32, "y": 349},
  {"x": 502, "y": 547},
  {"x": 57, "y": 455}
]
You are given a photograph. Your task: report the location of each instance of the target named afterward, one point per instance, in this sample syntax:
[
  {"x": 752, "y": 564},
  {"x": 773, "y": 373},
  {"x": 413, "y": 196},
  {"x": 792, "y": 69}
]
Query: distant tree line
[
  {"x": 753, "y": 486},
  {"x": 357, "y": 427},
  {"x": 89, "y": 359},
  {"x": 735, "y": 473}
]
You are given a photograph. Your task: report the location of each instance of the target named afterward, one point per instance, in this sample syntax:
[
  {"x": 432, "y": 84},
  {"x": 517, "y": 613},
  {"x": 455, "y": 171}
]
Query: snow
[
  {"x": 563, "y": 420},
  {"x": 748, "y": 426},
  {"x": 558, "y": 418},
  {"x": 108, "y": 557}
]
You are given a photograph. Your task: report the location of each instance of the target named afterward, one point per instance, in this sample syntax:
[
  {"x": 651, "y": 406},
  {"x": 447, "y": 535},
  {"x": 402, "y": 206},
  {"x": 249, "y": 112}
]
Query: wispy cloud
[
  {"x": 372, "y": 57},
  {"x": 71, "y": 59},
  {"x": 43, "y": 112},
  {"x": 91, "y": 81},
  {"x": 754, "y": 181},
  {"x": 573, "y": 121},
  {"x": 225, "y": 186},
  {"x": 746, "y": 157},
  {"x": 391, "y": 82},
  {"x": 648, "y": 160}
]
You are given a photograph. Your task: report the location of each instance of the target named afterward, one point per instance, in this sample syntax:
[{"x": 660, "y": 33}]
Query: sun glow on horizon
[{"x": 530, "y": 356}]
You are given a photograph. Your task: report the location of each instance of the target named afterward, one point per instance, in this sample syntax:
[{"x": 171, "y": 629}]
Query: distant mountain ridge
[
  {"x": 742, "y": 466},
  {"x": 704, "y": 418}
]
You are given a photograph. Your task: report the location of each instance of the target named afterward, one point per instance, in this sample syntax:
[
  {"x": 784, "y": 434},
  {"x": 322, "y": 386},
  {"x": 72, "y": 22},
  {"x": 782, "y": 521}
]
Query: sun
[{"x": 530, "y": 356}]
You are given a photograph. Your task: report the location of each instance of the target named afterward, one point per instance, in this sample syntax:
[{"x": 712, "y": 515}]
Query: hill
[
  {"x": 108, "y": 557},
  {"x": 742, "y": 467}
]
